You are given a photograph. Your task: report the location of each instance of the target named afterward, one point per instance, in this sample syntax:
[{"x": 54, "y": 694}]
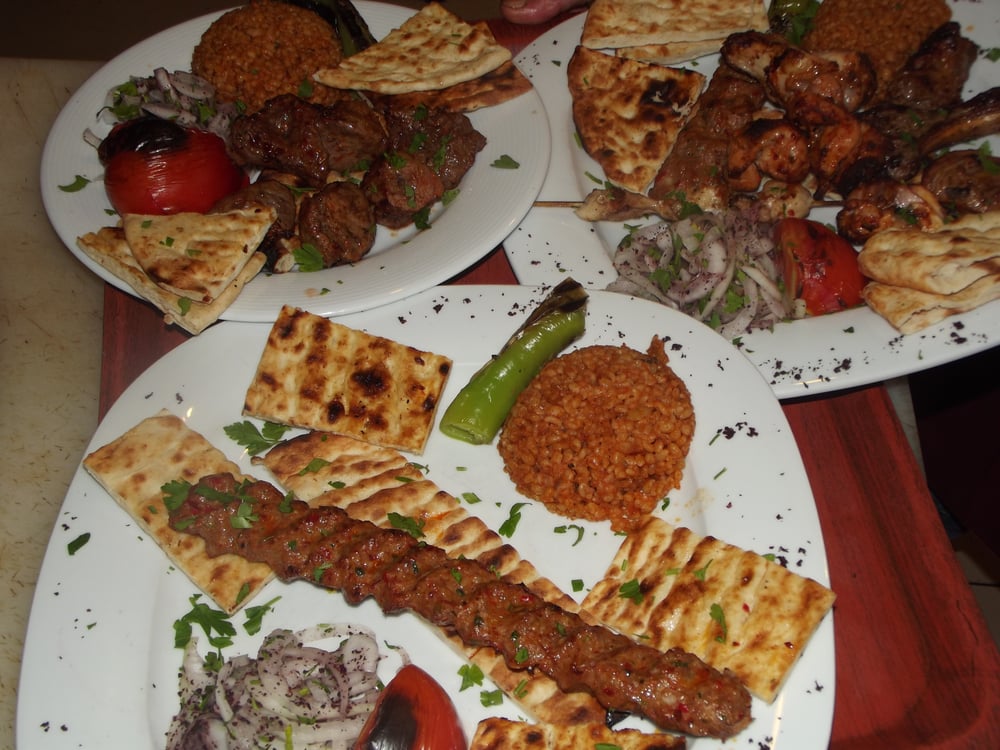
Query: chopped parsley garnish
[
  {"x": 255, "y": 616},
  {"x": 78, "y": 184},
  {"x": 505, "y": 162},
  {"x": 255, "y": 440},
  {"x": 719, "y": 616},
  {"x": 632, "y": 591},
  {"x": 308, "y": 258},
  {"x": 313, "y": 466},
  {"x": 411, "y": 526},
  {"x": 213, "y": 622},
  {"x": 74, "y": 546},
  {"x": 491, "y": 697},
  {"x": 471, "y": 675},
  {"x": 565, "y": 529},
  {"x": 508, "y": 527}
]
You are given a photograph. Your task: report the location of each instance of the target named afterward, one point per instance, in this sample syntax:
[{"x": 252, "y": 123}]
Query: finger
[{"x": 535, "y": 11}]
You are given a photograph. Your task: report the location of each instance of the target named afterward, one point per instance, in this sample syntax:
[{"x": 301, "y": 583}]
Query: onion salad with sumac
[
  {"x": 291, "y": 695},
  {"x": 720, "y": 268}
]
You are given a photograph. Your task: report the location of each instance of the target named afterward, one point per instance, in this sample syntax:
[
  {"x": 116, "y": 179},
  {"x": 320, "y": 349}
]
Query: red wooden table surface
[{"x": 916, "y": 665}]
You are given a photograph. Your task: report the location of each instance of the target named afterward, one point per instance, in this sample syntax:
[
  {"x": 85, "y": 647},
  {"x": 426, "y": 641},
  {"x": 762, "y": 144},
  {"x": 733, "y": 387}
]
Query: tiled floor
[{"x": 99, "y": 29}]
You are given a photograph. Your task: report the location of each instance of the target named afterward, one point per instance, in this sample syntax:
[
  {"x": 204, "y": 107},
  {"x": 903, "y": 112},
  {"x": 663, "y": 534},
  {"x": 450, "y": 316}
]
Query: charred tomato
[
  {"x": 820, "y": 266},
  {"x": 155, "y": 166},
  {"x": 413, "y": 712}
]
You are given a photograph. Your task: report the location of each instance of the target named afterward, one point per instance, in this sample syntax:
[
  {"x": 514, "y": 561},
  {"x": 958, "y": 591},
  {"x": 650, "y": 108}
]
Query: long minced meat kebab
[{"x": 673, "y": 689}]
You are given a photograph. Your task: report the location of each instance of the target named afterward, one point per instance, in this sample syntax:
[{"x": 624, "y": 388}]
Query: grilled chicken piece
[
  {"x": 324, "y": 545},
  {"x": 887, "y": 204}
]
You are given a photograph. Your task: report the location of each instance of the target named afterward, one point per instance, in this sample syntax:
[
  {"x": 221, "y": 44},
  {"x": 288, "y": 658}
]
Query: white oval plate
[
  {"x": 99, "y": 667},
  {"x": 490, "y": 204},
  {"x": 844, "y": 350}
]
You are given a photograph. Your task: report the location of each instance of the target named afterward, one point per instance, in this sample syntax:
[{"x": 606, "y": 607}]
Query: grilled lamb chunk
[
  {"x": 339, "y": 222},
  {"x": 963, "y": 184},
  {"x": 308, "y": 140},
  {"x": 934, "y": 75},
  {"x": 266, "y": 192},
  {"x": 674, "y": 689}
]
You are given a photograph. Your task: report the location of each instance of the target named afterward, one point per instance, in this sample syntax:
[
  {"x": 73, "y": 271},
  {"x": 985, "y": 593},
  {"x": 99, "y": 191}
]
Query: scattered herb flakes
[
  {"x": 701, "y": 572},
  {"x": 313, "y": 466},
  {"x": 505, "y": 161},
  {"x": 491, "y": 697},
  {"x": 566, "y": 529},
  {"x": 174, "y": 493},
  {"x": 411, "y": 526},
  {"x": 471, "y": 498},
  {"x": 74, "y": 546},
  {"x": 471, "y": 676},
  {"x": 632, "y": 591},
  {"x": 716, "y": 613},
  {"x": 255, "y": 616},
  {"x": 308, "y": 258},
  {"x": 213, "y": 622},
  {"x": 508, "y": 527},
  {"x": 255, "y": 440},
  {"x": 78, "y": 184},
  {"x": 577, "y": 584}
]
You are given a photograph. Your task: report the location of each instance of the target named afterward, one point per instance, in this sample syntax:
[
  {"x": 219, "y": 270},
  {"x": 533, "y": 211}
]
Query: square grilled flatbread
[
  {"x": 629, "y": 23},
  {"x": 321, "y": 375},
  {"x": 433, "y": 49},
  {"x": 628, "y": 113},
  {"x": 109, "y": 249},
  {"x": 941, "y": 261},
  {"x": 133, "y": 469},
  {"x": 196, "y": 255},
  {"x": 495, "y": 733},
  {"x": 370, "y": 483},
  {"x": 734, "y": 608},
  {"x": 910, "y": 310}
]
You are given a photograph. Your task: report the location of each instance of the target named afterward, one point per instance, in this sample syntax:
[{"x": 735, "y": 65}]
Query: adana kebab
[{"x": 673, "y": 689}]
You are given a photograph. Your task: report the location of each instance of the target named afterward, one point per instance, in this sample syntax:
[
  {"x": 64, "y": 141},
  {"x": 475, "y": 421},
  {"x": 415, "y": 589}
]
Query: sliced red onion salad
[
  {"x": 180, "y": 96},
  {"x": 291, "y": 694},
  {"x": 721, "y": 269}
]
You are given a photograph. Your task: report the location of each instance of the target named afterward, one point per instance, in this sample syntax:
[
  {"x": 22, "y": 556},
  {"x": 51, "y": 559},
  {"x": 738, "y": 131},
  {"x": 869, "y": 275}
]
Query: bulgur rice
[
  {"x": 888, "y": 31},
  {"x": 602, "y": 433},
  {"x": 268, "y": 47}
]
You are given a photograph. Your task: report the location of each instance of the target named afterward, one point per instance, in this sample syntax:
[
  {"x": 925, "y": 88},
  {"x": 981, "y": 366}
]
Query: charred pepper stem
[
  {"x": 347, "y": 23},
  {"x": 479, "y": 410}
]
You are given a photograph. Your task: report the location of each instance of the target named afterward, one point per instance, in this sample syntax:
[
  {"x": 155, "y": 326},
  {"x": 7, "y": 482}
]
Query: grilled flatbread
[
  {"x": 495, "y": 733},
  {"x": 672, "y": 52},
  {"x": 941, "y": 261},
  {"x": 369, "y": 484},
  {"x": 133, "y": 469},
  {"x": 910, "y": 310},
  {"x": 628, "y": 113},
  {"x": 733, "y": 608},
  {"x": 494, "y": 87},
  {"x": 108, "y": 248},
  {"x": 321, "y": 375},
  {"x": 196, "y": 255},
  {"x": 433, "y": 49},
  {"x": 629, "y": 23}
]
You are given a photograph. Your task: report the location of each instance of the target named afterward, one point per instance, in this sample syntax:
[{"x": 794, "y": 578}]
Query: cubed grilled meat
[
  {"x": 308, "y": 140},
  {"x": 266, "y": 192},
  {"x": 339, "y": 222},
  {"x": 674, "y": 689}
]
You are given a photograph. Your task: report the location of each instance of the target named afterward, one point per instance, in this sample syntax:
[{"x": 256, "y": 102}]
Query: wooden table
[{"x": 916, "y": 665}]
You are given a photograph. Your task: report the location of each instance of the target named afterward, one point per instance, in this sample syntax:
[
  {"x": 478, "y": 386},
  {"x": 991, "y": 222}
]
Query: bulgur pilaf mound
[
  {"x": 888, "y": 31},
  {"x": 257, "y": 51},
  {"x": 602, "y": 433}
]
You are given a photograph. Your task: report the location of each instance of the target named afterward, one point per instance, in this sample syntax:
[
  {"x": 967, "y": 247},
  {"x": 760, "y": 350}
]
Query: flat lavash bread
[
  {"x": 611, "y": 24},
  {"x": 939, "y": 261},
  {"x": 494, "y": 87},
  {"x": 769, "y": 612},
  {"x": 133, "y": 469},
  {"x": 628, "y": 113},
  {"x": 910, "y": 310},
  {"x": 321, "y": 375},
  {"x": 672, "y": 52},
  {"x": 495, "y": 733},
  {"x": 365, "y": 481},
  {"x": 433, "y": 49},
  {"x": 108, "y": 248},
  {"x": 196, "y": 255}
]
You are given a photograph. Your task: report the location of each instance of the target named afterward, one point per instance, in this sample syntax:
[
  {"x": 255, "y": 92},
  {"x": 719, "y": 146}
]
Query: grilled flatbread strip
[
  {"x": 370, "y": 483},
  {"x": 765, "y": 613},
  {"x": 324, "y": 545},
  {"x": 495, "y": 733},
  {"x": 134, "y": 467}
]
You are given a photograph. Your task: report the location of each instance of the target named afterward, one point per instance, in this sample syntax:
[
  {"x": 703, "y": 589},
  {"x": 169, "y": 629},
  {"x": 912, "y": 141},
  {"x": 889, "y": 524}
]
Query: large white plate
[
  {"x": 800, "y": 358},
  {"x": 99, "y": 669},
  {"x": 491, "y": 201}
]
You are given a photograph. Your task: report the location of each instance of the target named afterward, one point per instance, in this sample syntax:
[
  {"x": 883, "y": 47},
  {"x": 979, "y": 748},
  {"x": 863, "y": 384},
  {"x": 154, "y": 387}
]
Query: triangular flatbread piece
[
  {"x": 107, "y": 247},
  {"x": 910, "y": 310},
  {"x": 433, "y": 49},
  {"x": 494, "y": 87},
  {"x": 628, "y": 113},
  {"x": 629, "y": 23},
  {"x": 196, "y": 255}
]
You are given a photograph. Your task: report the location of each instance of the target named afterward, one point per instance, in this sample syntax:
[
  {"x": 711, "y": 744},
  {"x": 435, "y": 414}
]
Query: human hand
[{"x": 535, "y": 11}]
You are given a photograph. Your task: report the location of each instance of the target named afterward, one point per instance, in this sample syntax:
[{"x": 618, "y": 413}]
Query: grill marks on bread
[{"x": 320, "y": 375}]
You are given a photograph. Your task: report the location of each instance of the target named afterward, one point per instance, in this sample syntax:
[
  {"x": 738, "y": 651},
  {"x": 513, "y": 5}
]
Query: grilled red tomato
[
  {"x": 413, "y": 712},
  {"x": 155, "y": 166},
  {"x": 821, "y": 267}
]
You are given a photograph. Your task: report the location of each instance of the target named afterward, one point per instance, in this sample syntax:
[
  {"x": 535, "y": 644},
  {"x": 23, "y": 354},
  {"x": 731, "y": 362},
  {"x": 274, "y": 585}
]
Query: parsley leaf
[
  {"x": 471, "y": 675},
  {"x": 508, "y": 527},
  {"x": 255, "y": 440},
  {"x": 74, "y": 546},
  {"x": 76, "y": 185},
  {"x": 411, "y": 526},
  {"x": 308, "y": 258}
]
